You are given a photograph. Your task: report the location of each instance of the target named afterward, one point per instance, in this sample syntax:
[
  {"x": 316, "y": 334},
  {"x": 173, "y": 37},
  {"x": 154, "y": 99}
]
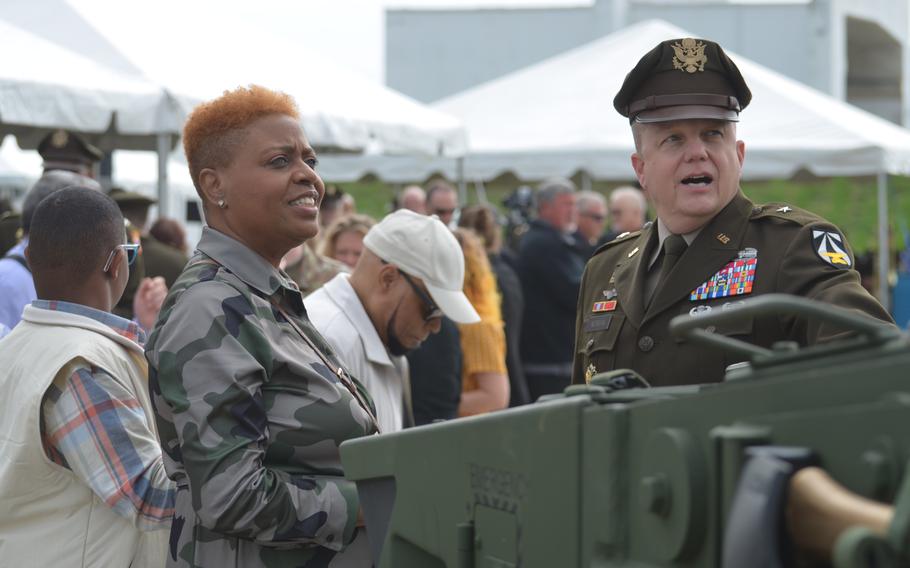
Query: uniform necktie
[{"x": 674, "y": 246}]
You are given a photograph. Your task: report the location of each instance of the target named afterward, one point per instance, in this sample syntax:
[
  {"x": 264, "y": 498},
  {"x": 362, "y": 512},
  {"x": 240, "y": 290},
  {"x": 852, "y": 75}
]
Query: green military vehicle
[{"x": 796, "y": 459}]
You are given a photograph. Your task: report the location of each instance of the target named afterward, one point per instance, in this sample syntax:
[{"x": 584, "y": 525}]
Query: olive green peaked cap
[
  {"x": 62, "y": 147},
  {"x": 683, "y": 79}
]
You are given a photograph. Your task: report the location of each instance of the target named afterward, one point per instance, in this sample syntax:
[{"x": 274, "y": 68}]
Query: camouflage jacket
[{"x": 250, "y": 419}]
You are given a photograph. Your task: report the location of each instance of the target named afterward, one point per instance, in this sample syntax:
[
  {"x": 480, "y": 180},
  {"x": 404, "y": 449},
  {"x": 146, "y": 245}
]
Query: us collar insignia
[
  {"x": 689, "y": 55},
  {"x": 590, "y": 372},
  {"x": 734, "y": 279},
  {"x": 604, "y": 306},
  {"x": 609, "y": 294},
  {"x": 722, "y": 237},
  {"x": 830, "y": 247}
]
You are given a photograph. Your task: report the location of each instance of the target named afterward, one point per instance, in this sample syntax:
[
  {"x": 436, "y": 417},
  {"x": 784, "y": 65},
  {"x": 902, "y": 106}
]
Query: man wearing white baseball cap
[{"x": 410, "y": 274}]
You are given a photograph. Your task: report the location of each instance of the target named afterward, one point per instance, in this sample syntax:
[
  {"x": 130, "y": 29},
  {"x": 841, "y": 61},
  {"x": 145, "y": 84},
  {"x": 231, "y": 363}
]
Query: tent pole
[
  {"x": 884, "y": 294},
  {"x": 164, "y": 146},
  {"x": 462, "y": 184},
  {"x": 586, "y": 183}
]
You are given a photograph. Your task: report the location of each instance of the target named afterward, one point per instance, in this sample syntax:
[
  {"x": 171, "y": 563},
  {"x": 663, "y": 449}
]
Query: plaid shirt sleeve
[{"x": 95, "y": 427}]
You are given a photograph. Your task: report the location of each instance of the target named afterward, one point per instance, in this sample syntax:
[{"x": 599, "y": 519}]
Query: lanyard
[{"x": 339, "y": 371}]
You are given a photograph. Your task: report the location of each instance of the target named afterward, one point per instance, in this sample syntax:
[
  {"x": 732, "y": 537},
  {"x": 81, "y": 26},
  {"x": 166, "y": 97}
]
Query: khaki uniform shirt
[{"x": 744, "y": 251}]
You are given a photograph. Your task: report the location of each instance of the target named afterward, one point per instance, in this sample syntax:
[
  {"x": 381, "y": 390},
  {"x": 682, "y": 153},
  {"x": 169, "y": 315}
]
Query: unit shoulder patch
[{"x": 830, "y": 246}]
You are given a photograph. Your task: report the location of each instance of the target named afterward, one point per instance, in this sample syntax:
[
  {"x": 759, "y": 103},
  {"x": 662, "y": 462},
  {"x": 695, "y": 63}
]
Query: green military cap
[
  {"x": 683, "y": 79},
  {"x": 62, "y": 148},
  {"x": 124, "y": 197}
]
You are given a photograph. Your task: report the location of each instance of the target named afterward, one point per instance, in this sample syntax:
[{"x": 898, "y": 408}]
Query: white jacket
[{"x": 48, "y": 517}]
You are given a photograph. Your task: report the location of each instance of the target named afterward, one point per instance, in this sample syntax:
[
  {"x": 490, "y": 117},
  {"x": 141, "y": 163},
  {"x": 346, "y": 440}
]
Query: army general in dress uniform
[{"x": 710, "y": 247}]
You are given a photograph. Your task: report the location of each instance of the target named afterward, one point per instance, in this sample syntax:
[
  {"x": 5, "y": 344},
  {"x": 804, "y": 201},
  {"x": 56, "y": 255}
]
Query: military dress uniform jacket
[
  {"x": 161, "y": 260},
  {"x": 745, "y": 251}
]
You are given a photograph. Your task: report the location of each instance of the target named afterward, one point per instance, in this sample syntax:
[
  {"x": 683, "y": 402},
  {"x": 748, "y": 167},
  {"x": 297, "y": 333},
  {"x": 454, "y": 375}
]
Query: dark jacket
[
  {"x": 512, "y": 306},
  {"x": 550, "y": 268},
  {"x": 784, "y": 250},
  {"x": 435, "y": 371},
  {"x": 162, "y": 260}
]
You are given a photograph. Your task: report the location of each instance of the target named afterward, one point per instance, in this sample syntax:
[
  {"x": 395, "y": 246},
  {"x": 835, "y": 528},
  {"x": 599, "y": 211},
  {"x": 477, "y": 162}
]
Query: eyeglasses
[
  {"x": 132, "y": 251},
  {"x": 433, "y": 311}
]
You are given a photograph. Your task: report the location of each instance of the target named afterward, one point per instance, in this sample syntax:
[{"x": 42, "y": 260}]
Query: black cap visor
[{"x": 686, "y": 112}]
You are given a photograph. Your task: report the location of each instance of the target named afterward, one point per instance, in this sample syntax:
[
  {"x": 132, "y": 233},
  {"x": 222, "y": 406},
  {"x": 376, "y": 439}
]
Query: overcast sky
[{"x": 155, "y": 35}]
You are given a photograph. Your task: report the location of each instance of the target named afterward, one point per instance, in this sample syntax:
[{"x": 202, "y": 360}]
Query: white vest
[{"x": 48, "y": 517}]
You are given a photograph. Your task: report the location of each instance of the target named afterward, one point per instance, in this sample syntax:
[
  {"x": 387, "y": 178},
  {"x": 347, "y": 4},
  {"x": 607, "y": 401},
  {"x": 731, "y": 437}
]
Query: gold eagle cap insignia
[
  {"x": 59, "y": 139},
  {"x": 690, "y": 55}
]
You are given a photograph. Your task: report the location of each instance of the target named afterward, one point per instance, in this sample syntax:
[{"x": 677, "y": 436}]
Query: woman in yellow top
[{"x": 484, "y": 379}]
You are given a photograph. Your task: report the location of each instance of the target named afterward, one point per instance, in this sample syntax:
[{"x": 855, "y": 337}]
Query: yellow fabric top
[{"x": 483, "y": 344}]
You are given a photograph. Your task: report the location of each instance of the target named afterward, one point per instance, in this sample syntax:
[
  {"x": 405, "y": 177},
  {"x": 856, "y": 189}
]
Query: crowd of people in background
[
  {"x": 425, "y": 308},
  {"x": 525, "y": 295}
]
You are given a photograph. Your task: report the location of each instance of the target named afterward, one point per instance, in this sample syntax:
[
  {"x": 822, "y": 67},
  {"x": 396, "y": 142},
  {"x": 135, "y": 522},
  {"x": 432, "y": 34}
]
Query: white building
[{"x": 855, "y": 50}]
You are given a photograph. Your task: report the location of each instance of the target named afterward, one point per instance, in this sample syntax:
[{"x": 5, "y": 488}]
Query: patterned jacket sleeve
[
  {"x": 213, "y": 357},
  {"x": 95, "y": 427}
]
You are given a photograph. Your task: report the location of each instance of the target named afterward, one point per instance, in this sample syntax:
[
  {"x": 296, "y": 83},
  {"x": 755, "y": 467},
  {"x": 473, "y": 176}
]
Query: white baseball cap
[{"x": 422, "y": 246}]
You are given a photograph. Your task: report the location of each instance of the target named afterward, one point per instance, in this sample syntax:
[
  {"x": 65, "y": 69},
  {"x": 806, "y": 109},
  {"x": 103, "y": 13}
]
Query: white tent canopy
[
  {"x": 556, "y": 117},
  {"x": 44, "y": 86},
  {"x": 340, "y": 110},
  {"x": 88, "y": 83}
]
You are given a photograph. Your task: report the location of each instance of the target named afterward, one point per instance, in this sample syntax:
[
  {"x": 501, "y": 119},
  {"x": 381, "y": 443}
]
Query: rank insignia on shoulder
[
  {"x": 784, "y": 209},
  {"x": 590, "y": 372},
  {"x": 734, "y": 279},
  {"x": 608, "y": 306},
  {"x": 830, "y": 247}
]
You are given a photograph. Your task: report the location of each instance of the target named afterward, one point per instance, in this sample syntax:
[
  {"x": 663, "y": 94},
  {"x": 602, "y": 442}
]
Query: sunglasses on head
[{"x": 132, "y": 251}]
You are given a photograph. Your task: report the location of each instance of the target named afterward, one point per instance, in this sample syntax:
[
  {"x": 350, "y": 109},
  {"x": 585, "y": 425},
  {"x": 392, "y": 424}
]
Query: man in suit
[{"x": 710, "y": 247}]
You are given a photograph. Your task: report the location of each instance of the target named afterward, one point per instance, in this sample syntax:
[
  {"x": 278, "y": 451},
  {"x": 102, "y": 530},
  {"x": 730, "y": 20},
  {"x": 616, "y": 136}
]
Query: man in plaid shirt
[{"x": 81, "y": 474}]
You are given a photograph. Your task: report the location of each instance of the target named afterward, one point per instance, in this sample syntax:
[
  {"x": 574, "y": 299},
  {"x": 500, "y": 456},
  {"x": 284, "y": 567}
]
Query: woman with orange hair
[{"x": 251, "y": 402}]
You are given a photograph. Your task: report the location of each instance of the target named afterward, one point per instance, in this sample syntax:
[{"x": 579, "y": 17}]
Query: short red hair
[{"x": 215, "y": 128}]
